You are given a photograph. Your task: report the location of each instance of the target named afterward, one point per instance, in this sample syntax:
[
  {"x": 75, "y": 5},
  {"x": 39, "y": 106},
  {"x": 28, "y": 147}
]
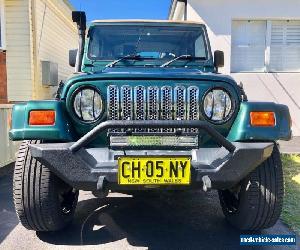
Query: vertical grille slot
[
  {"x": 153, "y": 105},
  {"x": 180, "y": 103},
  {"x": 166, "y": 105},
  {"x": 113, "y": 101},
  {"x": 140, "y": 104},
  {"x": 126, "y": 103},
  {"x": 193, "y": 105}
]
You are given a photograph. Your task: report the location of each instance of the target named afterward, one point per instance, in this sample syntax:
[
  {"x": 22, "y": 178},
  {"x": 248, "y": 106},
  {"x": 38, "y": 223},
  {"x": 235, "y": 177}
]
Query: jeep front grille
[{"x": 153, "y": 103}]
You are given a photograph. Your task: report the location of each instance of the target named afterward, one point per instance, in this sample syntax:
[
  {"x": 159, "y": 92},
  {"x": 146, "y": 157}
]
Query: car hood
[
  {"x": 151, "y": 73},
  {"x": 135, "y": 73}
]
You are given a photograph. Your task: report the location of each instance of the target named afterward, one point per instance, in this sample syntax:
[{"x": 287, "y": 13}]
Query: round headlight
[
  {"x": 217, "y": 105},
  {"x": 88, "y": 104}
]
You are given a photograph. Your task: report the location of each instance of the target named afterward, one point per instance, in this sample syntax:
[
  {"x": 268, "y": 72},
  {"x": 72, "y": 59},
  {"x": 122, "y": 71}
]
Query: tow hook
[
  {"x": 102, "y": 190},
  {"x": 206, "y": 183}
]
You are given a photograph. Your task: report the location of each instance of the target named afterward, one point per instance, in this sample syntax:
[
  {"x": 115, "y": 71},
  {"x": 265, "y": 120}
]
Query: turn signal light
[
  {"x": 262, "y": 119},
  {"x": 42, "y": 117}
]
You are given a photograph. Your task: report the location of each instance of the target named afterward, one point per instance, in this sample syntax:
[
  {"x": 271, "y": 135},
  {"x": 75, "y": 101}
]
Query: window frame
[
  {"x": 2, "y": 26},
  {"x": 203, "y": 30},
  {"x": 267, "y": 55}
]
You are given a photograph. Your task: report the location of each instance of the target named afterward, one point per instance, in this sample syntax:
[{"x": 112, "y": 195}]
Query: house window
[
  {"x": 248, "y": 46},
  {"x": 285, "y": 46},
  {"x": 265, "y": 46}
]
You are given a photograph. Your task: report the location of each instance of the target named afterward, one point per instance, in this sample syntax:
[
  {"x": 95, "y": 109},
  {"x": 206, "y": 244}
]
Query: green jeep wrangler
[{"x": 147, "y": 109}]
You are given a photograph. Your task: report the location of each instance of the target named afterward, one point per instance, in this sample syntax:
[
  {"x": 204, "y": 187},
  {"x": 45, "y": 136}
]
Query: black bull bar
[
  {"x": 90, "y": 136},
  {"x": 89, "y": 168}
]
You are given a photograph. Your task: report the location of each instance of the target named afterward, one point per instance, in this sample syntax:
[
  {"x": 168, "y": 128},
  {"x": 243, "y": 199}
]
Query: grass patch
[{"x": 291, "y": 205}]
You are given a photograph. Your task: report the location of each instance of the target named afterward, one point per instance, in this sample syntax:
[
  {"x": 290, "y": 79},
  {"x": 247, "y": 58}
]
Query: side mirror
[
  {"x": 219, "y": 59},
  {"x": 72, "y": 57}
]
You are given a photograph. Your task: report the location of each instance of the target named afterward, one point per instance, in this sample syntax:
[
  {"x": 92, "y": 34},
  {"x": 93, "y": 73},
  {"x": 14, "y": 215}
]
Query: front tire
[
  {"x": 256, "y": 202},
  {"x": 43, "y": 202}
]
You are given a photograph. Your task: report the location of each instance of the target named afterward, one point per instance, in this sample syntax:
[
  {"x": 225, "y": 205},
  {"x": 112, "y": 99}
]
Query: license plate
[{"x": 154, "y": 170}]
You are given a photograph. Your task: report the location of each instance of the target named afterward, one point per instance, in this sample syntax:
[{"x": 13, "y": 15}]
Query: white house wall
[
  {"x": 18, "y": 61},
  {"x": 36, "y": 30},
  {"x": 56, "y": 34},
  {"x": 218, "y": 15}
]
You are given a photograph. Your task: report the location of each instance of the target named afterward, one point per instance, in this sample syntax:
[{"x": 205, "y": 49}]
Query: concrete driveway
[{"x": 187, "y": 221}]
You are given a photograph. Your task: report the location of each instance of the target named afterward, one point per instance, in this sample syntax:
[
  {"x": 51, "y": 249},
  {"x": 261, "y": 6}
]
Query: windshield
[{"x": 111, "y": 42}]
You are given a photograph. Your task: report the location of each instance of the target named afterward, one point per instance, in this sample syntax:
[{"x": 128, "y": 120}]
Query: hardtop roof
[{"x": 142, "y": 21}]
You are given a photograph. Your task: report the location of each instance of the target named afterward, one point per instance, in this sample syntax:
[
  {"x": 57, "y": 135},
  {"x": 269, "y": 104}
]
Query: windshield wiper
[
  {"x": 127, "y": 57},
  {"x": 182, "y": 57}
]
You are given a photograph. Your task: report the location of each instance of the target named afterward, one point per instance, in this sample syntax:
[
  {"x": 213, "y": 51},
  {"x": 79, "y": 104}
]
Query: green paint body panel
[
  {"x": 177, "y": 75},
  {"x": 21, "y": 130},
  {"x": 82, "y": 128},
  {"x": 242, "y": 130},
  {"x": 69, "y": 128}
]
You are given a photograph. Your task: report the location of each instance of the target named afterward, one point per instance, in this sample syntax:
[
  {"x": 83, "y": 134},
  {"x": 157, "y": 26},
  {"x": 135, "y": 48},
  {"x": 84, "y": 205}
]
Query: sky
[{"x": 123, "y": 9}]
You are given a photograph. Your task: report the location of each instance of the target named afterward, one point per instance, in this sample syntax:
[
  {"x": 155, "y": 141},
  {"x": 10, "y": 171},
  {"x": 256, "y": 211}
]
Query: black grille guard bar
[{"x": 112, "y": 124}]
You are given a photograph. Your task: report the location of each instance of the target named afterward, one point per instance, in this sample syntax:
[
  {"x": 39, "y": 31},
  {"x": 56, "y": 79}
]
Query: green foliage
[{"x": 291, "y": 207}]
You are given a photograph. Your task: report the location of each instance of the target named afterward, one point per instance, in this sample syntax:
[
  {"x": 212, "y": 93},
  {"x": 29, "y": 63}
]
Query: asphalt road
[{"x": 186, "y": 221}]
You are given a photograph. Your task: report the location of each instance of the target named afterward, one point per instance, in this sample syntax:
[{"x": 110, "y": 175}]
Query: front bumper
[
  {"x": 85, "y": 168},
  {"x": 91, "y": 168}
]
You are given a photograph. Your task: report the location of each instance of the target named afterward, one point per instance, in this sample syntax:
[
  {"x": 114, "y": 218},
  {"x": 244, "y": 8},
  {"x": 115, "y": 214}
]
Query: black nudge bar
[{"x": 90, "y": 136}]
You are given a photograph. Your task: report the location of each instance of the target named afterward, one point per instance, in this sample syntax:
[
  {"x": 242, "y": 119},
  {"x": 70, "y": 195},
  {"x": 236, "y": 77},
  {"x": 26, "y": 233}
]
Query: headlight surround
[
  {"x": 217, "y": 105},
  {"x": 88, "y": 104}
]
